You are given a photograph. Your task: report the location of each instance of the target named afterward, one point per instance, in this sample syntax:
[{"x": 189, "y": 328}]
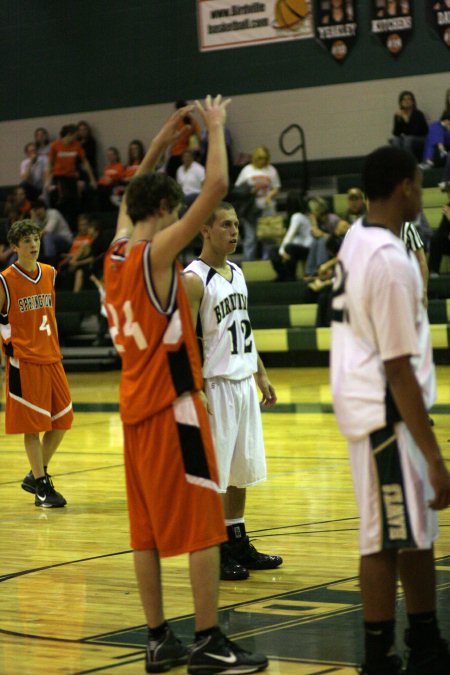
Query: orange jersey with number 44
[
  {"x": 27, "y": 319},
  {"x": 157, "y": 345}
]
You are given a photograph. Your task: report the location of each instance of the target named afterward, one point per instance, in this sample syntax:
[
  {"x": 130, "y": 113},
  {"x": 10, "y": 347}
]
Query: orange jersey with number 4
[
  {"x": 157, "y": 345},
  {"x": 27, "y": 320}
]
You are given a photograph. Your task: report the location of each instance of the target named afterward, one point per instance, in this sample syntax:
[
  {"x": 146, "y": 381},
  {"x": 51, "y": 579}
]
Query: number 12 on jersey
[{"x": 241, "y": 341}]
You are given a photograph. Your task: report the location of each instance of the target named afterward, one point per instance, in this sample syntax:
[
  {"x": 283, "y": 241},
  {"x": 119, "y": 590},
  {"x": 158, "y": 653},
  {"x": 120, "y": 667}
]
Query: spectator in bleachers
[
  {"x": 356, "y": 206},
  {"x": 90, "y": 259},
  {"x": 135, "y": 156},
  {"x": 323, "y": 224},
  {"x": 260, "y": 183},
  {"x": 65, "y": 155},
  {"x": 320, "y": 289},
  {"x": 111, "y": 177},
  {"x": 79, "y": 247},
  {"x": 437, "y": 144},
  {"x": 228, "y": 146},
  {"x": 56, "y": 234},
  {"x": 190, "y": 141},
  {"x": 440, "y": 241},
  {"x": 89, "y": 145},
  {"x": 190, "y": 176},
  {"x": 296, "y": 242},
  {"x": 42, "y": 141},
  {"x": 6, "y": 251},
  {"x": 410, "y": 126},
  {"x": 17, "y": 202},
  {"x": 32, "y": 171}
]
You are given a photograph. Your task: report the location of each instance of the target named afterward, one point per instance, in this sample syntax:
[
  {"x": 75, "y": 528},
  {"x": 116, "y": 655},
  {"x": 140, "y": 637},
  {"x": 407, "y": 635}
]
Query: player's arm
[
  {"x": 408, "y": 398},
  {"x": 2, "y": 298},
  {"x": 169, "y": 242},
  {"x": 194, "y": 291},
  {"x": 268, "y": 391},
  {"x": 167, "y": 135}
]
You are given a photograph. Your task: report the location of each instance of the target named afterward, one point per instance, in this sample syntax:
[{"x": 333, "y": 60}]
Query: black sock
[
  {"x": 423, "y": 630},
  {"x": 379, "y": 639},
  {"x": 236, "y": 532},
  {"x": 158, "y": 632},
  {"x": 200, "y": 634}
]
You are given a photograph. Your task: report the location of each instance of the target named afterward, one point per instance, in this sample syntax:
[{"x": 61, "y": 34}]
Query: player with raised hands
[{"x": 171, "y": 475}]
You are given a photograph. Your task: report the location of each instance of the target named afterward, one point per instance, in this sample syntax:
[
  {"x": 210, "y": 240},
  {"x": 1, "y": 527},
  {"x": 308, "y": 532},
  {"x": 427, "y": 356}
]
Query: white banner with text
[{"x": 224, "y": 24}]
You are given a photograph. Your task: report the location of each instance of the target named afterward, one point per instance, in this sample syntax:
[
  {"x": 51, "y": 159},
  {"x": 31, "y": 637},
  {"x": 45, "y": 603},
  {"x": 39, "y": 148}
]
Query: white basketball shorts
[
  {"x": 393, "y": 491},
  {"x": 237, "y": 431}
]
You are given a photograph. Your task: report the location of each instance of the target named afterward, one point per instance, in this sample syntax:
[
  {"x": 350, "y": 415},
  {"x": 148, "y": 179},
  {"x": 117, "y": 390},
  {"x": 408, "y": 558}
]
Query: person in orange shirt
[
  {"x": 170, "y": 467},
  {"x": 64, "y": 158},
  {"x": 37, "y": 393},
  {"x": 112, "y": 175},
  {"x": 136, "y": 154}
]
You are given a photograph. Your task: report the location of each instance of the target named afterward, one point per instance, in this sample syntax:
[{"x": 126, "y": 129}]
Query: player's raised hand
[
  {"x": 214, "y": 110},
  {"x": 170, "y": 132}
]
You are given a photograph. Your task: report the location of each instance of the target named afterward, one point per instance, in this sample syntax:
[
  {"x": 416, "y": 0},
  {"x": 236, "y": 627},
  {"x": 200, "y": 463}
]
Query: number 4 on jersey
[{"x": 45, "y": 326}]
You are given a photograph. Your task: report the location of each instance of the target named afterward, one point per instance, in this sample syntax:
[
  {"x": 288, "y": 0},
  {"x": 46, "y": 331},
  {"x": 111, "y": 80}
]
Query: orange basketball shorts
[
  {"x": 37, "y": 397},
  {"x": 172, "y": 481}
]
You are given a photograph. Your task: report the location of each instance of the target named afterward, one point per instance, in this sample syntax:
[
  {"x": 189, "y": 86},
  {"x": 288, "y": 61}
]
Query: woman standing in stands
[{"x": 261, "y": 182}]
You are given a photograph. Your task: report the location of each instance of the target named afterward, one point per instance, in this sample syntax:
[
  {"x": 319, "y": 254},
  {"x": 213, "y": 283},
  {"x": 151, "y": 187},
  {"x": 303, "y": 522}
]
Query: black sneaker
[
  {"x": 435, "y": 660},
  {"x": 162, "y": 655},
  {"x": 391, "y": 665},
  {"x": 230, "y": 570},
  {"x": 29, "y": 483},
  {"x": 47, "y": 496},
  {"x": 246, "y": 554},
  {"x": 217, "y": 654}
]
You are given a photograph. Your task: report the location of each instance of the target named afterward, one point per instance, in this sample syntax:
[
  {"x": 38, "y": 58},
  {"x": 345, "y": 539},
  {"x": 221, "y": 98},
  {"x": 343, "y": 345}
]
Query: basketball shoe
[
  {"x": 29, "y": 483},
  {"x": 230, "y": 569},
  {"x": 433, "y": 660},
  {"x": 162, "y": 655},
  {"x": 217, "y": 654},
  {"x": 391, "y": 665},
  {"x": 244, "y": 553},
  {"x": 46, "y": 494}
]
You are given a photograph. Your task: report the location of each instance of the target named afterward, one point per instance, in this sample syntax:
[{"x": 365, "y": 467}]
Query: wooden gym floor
[{"x": 68, "y": 597}]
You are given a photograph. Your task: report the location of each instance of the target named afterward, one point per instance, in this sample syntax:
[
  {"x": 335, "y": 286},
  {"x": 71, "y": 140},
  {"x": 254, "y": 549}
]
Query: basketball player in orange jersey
[
  {"x": 37, "y": 394},
  {"x": 171, "y": 475}
]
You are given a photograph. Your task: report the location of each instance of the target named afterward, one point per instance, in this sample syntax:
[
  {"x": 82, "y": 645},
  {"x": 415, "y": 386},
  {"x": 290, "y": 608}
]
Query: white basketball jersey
[
  {"x": 377, "y": 315},
  {"x": 224, "y": 327}
]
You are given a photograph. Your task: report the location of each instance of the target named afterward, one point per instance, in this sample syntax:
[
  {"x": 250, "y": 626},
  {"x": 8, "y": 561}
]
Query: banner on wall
[
  {"x": 336, "y": 26},
  {"x": 438, "y": 13},
  {"x": 392, "y": 22},
  {"x": 226, "y": 24}
]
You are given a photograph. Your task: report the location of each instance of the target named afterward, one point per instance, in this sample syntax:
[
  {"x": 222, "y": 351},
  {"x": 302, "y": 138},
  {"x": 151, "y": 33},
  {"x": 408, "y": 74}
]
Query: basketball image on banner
[
  {"x": 290, "y": 13},
  {"x": 392, "y": 22},
  {"x": 438, "y": 15},
  {"x": 336, "y": 26}
]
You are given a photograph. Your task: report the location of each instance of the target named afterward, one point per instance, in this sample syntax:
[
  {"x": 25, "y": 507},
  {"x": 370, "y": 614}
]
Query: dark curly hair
[
  {"x": 384, "y": 169},
  {"x": 21, "y": 229},
  {"x": 145, "y": 192}
]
